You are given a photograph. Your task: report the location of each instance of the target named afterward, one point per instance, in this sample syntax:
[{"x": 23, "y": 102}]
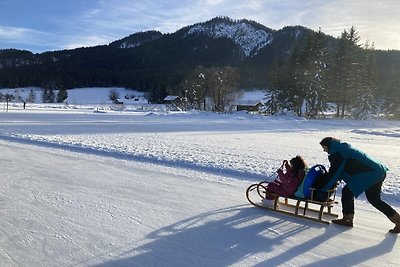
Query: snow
[
  {"x": 79, "y": 96},
  {"x": 247, "y": 37},
  {"x": 158, "y": 188}
]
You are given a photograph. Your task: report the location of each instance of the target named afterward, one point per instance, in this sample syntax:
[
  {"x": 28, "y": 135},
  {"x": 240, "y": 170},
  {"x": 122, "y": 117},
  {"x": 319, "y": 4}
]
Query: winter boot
[
  {"x": 268, "y": 202},
  {"x": 347, "y": 220},
  {"x": 395, "y": 219}
]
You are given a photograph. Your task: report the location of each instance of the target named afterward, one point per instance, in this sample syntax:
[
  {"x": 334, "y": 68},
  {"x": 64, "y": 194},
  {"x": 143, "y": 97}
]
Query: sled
[{"x": 307, "y": 208}]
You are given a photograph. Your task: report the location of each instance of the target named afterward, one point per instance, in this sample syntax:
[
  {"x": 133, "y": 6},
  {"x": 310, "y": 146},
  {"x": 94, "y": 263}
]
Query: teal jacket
[{"x": 354, "y": 167}]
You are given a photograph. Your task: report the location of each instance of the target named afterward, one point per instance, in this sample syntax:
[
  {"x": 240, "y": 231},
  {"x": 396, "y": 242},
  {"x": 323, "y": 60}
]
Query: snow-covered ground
[
  {"x": 125, "y": 188},
  {"x": 78, "y": 96}
]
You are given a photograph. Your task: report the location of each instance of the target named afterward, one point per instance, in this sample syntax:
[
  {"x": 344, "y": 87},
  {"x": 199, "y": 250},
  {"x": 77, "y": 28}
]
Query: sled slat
[{"x": 303, "y": 205}]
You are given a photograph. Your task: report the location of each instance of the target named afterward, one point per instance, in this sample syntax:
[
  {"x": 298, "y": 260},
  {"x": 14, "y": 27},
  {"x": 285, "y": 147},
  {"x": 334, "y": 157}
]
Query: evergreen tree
[
  {"x": 273, "y": 104},
  {"x": 51, "y": 95},
  {"x": 364, "y": 105},
  {"x": 48, "y": 95},
  {"x": 113, "y": 95},
  {"x": 338, "y": 74},
  {"x": 62, "y": 95},
  {"x": 391, "y": 97},
  {"x": 346, "y": 70},
  {"x": 45, "y": 95},
  {"x": 158, "y": 93},
  {"x": 393, "y": 108},
  {"x": 31, "y": 96},
  {"x": 291, "y": 94},
  {"x": 315, "y": 61}
]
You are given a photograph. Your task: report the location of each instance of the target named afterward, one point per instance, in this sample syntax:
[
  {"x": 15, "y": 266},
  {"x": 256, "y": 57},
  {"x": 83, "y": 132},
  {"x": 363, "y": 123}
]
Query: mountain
[
  {"x": 137, "y": 39},
  {"x": 10, "y": 58},
  {"x": 149, "y": 60}
]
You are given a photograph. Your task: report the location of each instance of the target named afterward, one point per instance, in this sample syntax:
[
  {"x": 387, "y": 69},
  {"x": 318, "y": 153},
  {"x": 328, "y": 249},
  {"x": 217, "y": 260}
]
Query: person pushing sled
[{"x": 360, "y": 172}]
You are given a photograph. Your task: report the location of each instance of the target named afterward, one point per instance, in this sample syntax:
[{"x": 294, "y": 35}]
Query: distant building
[
  {"x": 173, "y": 101},
  {"x": 118, "y": 101},
  {"x": 248, "y": 105}
]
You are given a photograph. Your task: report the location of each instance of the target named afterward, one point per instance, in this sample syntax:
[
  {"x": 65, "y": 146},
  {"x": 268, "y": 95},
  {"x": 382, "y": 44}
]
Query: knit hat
[{"x": 326, "y": 141}]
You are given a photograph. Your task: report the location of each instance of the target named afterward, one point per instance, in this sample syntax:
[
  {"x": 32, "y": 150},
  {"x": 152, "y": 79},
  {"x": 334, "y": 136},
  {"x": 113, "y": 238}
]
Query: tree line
[{"x": 312, "y": 78}]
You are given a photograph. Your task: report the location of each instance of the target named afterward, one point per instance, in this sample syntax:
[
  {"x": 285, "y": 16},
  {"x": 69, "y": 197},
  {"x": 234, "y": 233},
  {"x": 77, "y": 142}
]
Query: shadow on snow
[{"x": 232, "y": 235}]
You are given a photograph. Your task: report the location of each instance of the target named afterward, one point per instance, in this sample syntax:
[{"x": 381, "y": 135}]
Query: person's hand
[{"x": 284, "y": 163}]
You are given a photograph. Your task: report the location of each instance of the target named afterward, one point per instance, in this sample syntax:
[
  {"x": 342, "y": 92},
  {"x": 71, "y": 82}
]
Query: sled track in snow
[{"x": 115, "y": 154}]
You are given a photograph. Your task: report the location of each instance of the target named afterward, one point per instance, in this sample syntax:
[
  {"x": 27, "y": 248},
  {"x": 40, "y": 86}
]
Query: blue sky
[{"x": 45, "y": 25}]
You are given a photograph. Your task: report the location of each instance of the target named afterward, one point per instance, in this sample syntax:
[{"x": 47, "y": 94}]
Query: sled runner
[{"x": 314, "y": 206}]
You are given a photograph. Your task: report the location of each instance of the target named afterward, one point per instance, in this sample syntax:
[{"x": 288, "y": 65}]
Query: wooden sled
[{"x": 309, "y": 209}]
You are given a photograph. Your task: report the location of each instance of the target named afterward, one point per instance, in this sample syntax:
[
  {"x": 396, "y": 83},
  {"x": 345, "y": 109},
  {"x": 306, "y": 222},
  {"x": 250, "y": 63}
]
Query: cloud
[
  {"x": 86, "y": 23},
  {"x": 376, "y": 21},
  {"x": 24, "y": 38},
  {"x": 85, "y": 41},
  {"x": 17, "y": 34}
]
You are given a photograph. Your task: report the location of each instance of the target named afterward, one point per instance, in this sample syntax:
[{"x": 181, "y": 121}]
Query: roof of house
[
  {"x": 171, "y": 98},
  {"x": 247, "y": 102}
]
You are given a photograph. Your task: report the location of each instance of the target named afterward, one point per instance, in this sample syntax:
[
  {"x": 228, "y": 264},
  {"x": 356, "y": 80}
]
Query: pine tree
[
  {"x": 391, "y": 98},
  {"x": 338, "y": 73},
  {"x": 31, "y": 96},
  {"x": 364, "y": 105},
  {"x": 113, "y": 95},
  {"x": 345, "y": 70},
  {"x": 51, "y": 95},
  {"x": 273, "y": 104},
  {"x": 316, "y": 61},
  {"x": 62, "y": 95},
  {"x": 45, "y": 95},
  {"x": 291, "y": 83},
  {"x": 48, "y": 95},
  {"x": 393, "y": 108}
]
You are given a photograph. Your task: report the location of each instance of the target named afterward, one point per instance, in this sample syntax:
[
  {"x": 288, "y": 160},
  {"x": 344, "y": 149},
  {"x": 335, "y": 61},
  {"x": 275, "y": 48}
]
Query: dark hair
[
  {"x": 298, "y": 164},
  {"x": 327, "y": 141}
]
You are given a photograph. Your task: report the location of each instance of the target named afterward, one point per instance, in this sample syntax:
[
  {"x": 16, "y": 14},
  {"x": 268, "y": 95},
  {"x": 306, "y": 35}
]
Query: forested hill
[{"x": 152, "y": 61}]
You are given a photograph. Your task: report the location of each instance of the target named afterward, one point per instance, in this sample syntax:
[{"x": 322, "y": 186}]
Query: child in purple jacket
[{"x": 290, "y": 175}]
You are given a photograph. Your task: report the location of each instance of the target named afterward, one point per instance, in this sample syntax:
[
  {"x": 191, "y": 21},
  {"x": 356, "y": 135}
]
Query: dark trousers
[{"x": 373, "y": 194}]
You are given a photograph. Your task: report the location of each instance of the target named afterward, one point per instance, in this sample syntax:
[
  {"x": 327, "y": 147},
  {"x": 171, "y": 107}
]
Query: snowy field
[{"x": 137, "y": 188}]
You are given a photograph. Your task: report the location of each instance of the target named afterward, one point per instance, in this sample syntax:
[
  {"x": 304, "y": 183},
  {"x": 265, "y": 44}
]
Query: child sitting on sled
[{"x": 290, "y": 175}]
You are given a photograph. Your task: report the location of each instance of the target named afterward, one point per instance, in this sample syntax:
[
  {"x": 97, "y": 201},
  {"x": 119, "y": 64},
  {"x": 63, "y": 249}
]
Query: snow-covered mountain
[
  {"x": 137, "y": 39},
  {"x": 248, "y": 37}
]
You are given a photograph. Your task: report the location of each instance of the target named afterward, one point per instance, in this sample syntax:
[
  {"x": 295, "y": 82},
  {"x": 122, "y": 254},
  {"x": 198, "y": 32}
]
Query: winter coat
[
  {"x": 354, "y": 167},
  {"x": 286, "y": 183}
]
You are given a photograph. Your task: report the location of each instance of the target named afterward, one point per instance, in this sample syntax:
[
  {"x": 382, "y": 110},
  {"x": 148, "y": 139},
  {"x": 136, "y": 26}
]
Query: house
[
  {"x": 249, "y": 105},
  {"x": 174, "y": 102},
  {"x": 118, "y": 101},
  {"x": 172, "y": 99}
]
